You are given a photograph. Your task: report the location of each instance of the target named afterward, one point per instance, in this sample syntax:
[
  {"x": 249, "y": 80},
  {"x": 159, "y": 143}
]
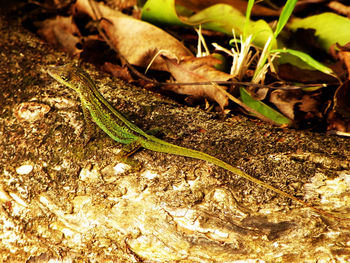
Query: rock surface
[{"x": 63, "y": 200}]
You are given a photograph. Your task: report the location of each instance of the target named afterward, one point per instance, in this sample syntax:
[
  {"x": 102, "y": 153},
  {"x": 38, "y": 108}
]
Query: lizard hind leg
[
  {"x": 154, "y": 131},
  {"x": 125, "y": 155},
  {"x": 90, "y": 128}
]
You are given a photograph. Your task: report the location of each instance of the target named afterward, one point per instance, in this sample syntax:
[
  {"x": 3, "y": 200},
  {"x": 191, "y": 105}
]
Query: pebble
[
  {"x": 31, "y": 111},
  {"x": 24, "y": 169}
]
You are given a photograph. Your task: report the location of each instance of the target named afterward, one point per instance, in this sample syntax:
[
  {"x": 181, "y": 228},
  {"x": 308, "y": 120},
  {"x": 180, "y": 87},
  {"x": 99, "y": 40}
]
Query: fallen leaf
[
  {"x": 137, "y": 41},
  {"x": 296, "y": 104},
  {"x": 343, "y": 54},
  {"x": 292, "y": 73},
  {"x": 330, "y": 28},
  {"x": 337, "y": 123},
  {"x": 285, "y": 101},
  {"x": 241, "y": 5},
  {"x": 310, "y": 104},
  {"x": 303, "y": 6},
  {"x": 296, "y": 41},
  {"x": 198, "y": 70},
  {"x": 121, "y": 4},
  {"x": 224, "y": 18},
  {"x": 219, "y": 18},
  {"x": 342, "y": 99},
  {"x": 340, "y": 8},
  {"x": 62, "y": 33},
  {"x": 117, "y": 71}
]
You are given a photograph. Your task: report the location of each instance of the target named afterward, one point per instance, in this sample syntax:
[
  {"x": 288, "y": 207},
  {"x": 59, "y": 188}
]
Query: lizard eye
[{"x": 64, "y": 78}]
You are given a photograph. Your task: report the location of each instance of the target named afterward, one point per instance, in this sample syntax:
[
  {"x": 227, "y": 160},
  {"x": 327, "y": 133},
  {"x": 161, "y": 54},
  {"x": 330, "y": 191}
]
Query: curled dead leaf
[
  {"x": 342, "y": 99},
  {"x": 292, "y": 73},
  {"x": 198, "y": 70},
  {"x": 294, "y": 103},
  {"x": 62, "y": 33},
  {"x": 117, "y": 71},
  {"x": 121, "y": 4},
  {"x": 343, "y": 54},
  {"x": 137, "y": 41},
  {"x": 339, "y": 8},
  {"x": 258, "y": 93},
  {"x": 338, "y": 124},
  {"x": 285, "y": 101}
]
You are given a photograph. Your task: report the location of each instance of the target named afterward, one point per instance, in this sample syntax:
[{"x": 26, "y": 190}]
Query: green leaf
[
  {"x": 330, "y": 28},
  {"x": 247, "y": 18},
  {"x": 263, "y": 109},
  {"x": 161, "y": 12},
  {"x": 261, "y": 32},
  {"x": 216, "y": 18},
  {"x": 285, "y": 15},
  {"x": 224, "y": 18},
  {"x": 307, "y": 59},
  {"x": 221, "y": 18}
]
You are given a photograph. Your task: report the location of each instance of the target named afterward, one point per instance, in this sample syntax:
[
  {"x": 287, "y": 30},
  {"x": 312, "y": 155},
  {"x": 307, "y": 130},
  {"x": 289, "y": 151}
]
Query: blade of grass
[
  {"x": 247, "y": 18},
  {"x": 273, "y": 115},
  {"x": 284, "y": 17},
  {"x": 307, "y": 59}
]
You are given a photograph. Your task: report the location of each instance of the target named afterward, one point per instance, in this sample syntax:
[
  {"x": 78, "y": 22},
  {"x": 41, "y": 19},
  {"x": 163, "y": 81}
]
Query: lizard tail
[{"x": 162, "y": 146}]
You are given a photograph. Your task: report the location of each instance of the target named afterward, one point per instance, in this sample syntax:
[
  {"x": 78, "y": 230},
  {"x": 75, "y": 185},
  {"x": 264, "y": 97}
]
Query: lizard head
[
  {"x": 71, "y": 76},
  {"x": 64, "y": 75}
]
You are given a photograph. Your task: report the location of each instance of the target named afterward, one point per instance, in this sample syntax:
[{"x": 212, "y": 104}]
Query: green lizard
[{"x": 121, "y": 130}]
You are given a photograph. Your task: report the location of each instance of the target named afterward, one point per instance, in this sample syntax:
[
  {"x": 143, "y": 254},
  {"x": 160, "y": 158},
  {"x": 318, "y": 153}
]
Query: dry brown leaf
[
  {"x": 198, "y": 70},
  {"x": 346, "y": 59},
  {"x": 137, "y": 41},
  {"x": 305, "y": 5},
  {"x": 342, "y": 53},
  {"x": 258, "y": 93},
  {"x": 118, "y": 71},
  {"x": 121, "y": 4},
  {"x": 292, "y": 73},
  {"x": 342, "y": 99},
  {"x": 62, "y": 33},
  {"x": 310, "y": 104},
  {"x": 337, "y": 123},
  {"x": 285, "y": 101},
  {"x": 340, "y": 8},
  {"x": 292, "y": 103},
  {"x": 339, "y": 117}
]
